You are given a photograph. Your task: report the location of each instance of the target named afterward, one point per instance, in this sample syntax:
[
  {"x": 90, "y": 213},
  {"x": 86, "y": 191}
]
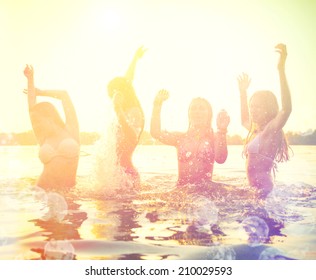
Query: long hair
[
  {"x": 209, "y": 130},
  {"x": 269, "y": 102},
  {"x": 130, "y": 99},
  {"x": 48, "y": 110},
  {"x": 122, "y": 85}
]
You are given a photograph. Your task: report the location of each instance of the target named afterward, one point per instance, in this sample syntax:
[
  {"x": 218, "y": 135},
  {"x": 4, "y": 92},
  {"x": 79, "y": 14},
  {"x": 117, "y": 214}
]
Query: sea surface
[{"x": 105, "y": 219}]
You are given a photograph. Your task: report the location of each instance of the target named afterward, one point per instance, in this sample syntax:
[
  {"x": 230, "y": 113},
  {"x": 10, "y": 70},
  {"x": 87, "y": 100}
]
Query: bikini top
[
  {"x": 253, "y": 147},
  {"x": 67, "y": 148},
  {"x": 203, "y": 152}
]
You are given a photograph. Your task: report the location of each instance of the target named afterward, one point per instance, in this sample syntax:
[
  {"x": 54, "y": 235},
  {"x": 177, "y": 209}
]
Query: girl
[
  {"x": 58, "y": 139},
  {"x": 130, "y": 117},
  {"x": 197, "y": 148},
  {"x": 266, "y": 142}
]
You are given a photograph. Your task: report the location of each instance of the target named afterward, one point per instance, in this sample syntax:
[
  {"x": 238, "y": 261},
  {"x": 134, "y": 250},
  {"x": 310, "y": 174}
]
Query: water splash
[
  {"x": 271, "y": 253},
  {"x": 57, "y": 207},
  {"x": 25, "y": 197},
  {"x": 256, "y": 230},
  {"x": 202, "y": 211},
  {"x": 281, "y": 202},
  {"x": 220, "y": 253},
  {"x": 108, "y": 176},
  {"x": 59, "y": 250}
]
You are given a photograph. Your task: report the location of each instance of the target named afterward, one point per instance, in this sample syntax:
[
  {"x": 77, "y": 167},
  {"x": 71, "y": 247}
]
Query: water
[{"x": 157, "y": 221}]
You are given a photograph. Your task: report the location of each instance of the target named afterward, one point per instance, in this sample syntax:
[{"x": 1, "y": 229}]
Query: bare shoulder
[{"x": 270, "y": 138}]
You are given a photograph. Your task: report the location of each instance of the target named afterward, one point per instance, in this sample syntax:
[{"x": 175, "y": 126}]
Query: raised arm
[
  {"x": 220, "y": 138},
  {"x": 31, "y": 92},
  {"x": 72, "y": 124},
  {"x": 243, "y": 83},
  {"x": 155, "y": 125},
  {"x": 285, "y": 91},
  {"x": 131, "y": 69},
  {"x": 279, "y": 121},
  {"x": 31, "y": 99}
]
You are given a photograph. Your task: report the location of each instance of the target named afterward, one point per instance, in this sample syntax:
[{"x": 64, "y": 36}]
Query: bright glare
[
  {"x": 195, "y": 48},
  {"x": 110, "y": 20}
]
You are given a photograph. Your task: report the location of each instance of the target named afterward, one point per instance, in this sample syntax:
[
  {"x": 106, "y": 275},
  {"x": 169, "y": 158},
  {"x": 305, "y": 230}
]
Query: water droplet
[
  {"x": 202, "y": 211},
  {"x": 256, "y": 230},
  {"x": 221, "y": 253},
  {"x": 270, "y": 254},
  {"x": 59, "y": 250},
  {"x": 57, "y": 207}
]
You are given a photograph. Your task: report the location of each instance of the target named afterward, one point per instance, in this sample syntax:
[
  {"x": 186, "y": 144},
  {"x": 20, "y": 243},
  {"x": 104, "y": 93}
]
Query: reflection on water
[{"x": 157, "y": 220}]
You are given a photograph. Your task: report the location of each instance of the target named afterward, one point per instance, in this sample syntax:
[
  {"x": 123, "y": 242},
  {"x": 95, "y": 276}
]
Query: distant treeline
[{"x": 89, "y": 138}]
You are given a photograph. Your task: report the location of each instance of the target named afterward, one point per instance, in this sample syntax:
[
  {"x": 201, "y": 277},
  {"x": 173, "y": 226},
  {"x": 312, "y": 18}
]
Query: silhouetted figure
[{"x": 130, "y": 117}]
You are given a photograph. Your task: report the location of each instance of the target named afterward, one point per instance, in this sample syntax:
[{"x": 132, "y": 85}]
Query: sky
[{"x": 194, "y": 48}]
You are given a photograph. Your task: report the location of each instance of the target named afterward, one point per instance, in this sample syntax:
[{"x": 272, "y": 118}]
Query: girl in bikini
[
  {"x": 197, "y": 148},
  {"x": 130, "y": 117},
  {"x": 58, "y": 140},
  {"x": 265, "y": 143}
]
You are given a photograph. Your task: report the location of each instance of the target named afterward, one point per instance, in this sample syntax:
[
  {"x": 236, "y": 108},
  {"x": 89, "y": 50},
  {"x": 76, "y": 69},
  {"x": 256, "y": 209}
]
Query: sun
[{"x": 111, "y": 20}]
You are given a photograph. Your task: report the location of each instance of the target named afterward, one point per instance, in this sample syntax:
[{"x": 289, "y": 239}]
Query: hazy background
[{"x": 195, "y": 48}]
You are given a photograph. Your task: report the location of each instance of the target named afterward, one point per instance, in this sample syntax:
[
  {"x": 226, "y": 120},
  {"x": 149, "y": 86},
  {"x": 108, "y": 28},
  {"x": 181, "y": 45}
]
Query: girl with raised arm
[
  {"x": 58, "y": 139},
  {"x": 197, "y": 148},
  {"x": 130, "y": 117},
  {"x": 265, "y": 143}
]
